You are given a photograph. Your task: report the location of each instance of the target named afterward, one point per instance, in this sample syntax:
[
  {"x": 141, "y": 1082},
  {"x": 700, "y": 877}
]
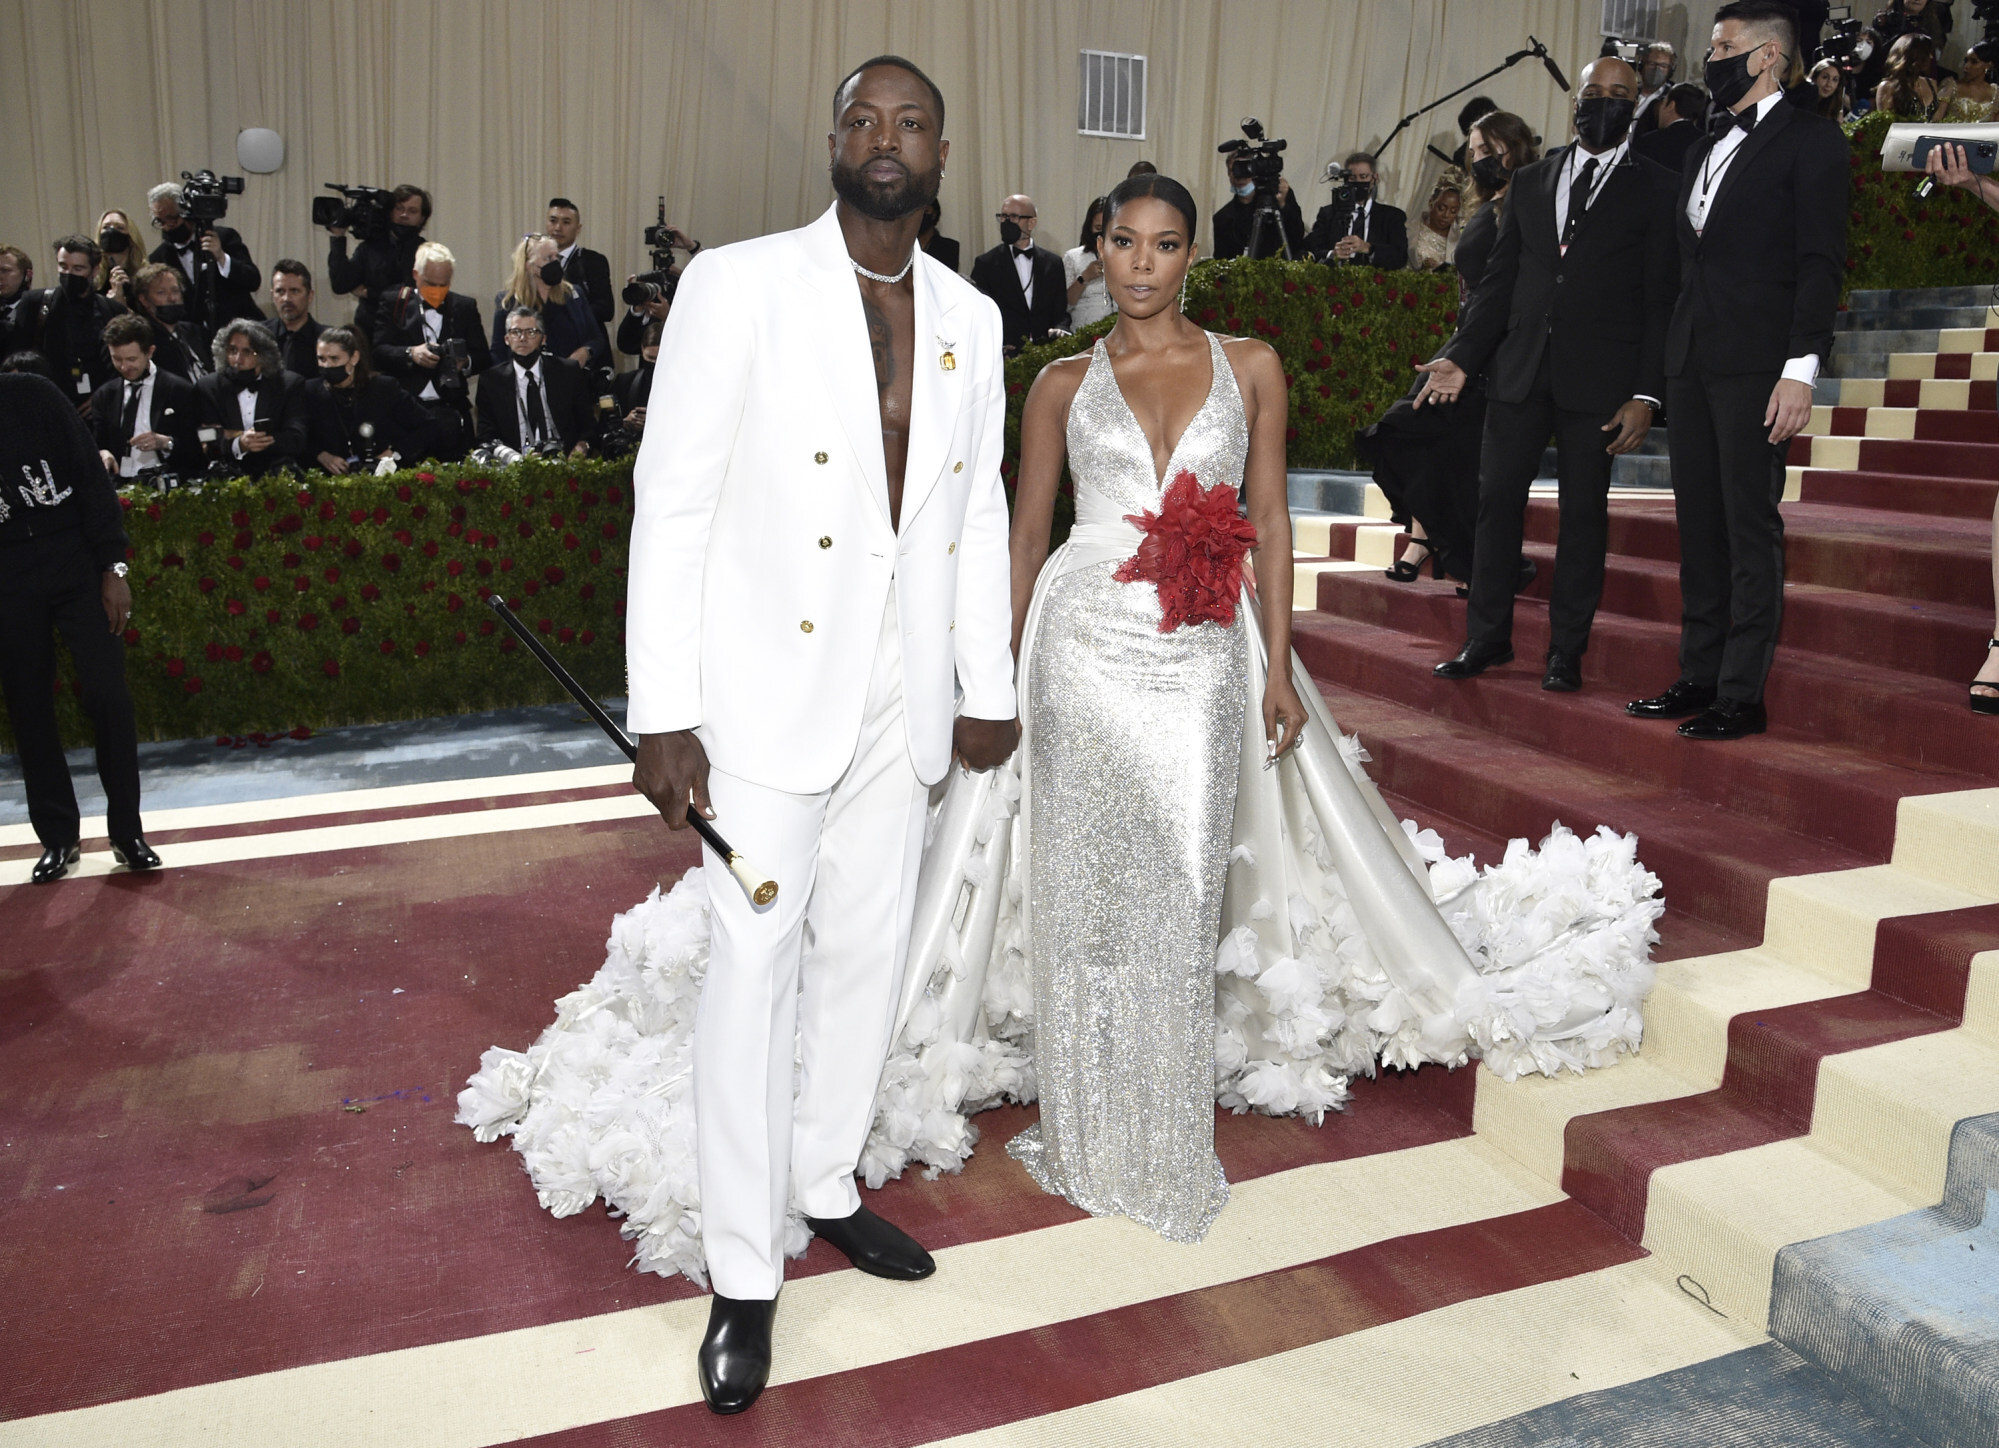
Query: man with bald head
[
  {"x": 1569, "y": 327},
  {"x": 1025, "y": 281}
]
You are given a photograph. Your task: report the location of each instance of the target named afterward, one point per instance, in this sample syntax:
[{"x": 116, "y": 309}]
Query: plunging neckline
[{"x": 1215, "y": 365}]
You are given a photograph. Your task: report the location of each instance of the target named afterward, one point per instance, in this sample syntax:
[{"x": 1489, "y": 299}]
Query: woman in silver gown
[{"x": 1133, "y": 727}]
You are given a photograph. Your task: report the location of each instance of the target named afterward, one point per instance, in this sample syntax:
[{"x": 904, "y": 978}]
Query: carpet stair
[
  {"x": 1902, "y": 1310},
  {"x": 1879, "y": 391}
]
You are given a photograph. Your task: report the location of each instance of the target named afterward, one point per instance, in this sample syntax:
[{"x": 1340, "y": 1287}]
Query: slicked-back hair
[
  {"x": 354, "y": 342},
  {"x": 936, "y": 95},
  {"x": 1159, "y": 188},
  {"x": 1778, "y": 21},
  {"x": 291, "y": 266}
]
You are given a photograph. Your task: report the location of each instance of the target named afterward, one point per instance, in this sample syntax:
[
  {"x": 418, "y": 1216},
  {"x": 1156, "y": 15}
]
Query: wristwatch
[{"x": 119, "y": 569}]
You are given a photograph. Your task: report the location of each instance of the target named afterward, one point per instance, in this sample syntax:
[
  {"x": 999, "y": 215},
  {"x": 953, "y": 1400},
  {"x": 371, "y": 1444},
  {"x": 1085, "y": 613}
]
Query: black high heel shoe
[
  {"x": 1406, "y": 572},
  {"x": 1985, "y": 703}
]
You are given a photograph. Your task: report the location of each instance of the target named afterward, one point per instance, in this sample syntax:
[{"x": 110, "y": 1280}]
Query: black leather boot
[
  {"x": 879, "y": 1248},
  {"x": 56, "y": 861},
  {"x": 735, "y": 1355}
]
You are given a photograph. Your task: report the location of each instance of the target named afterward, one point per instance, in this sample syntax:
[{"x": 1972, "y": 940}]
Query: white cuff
[
  {"x": 222, "y": 264},
  {"x": 1803, "y": 369},
  {"x": 1650, "y": 401}
]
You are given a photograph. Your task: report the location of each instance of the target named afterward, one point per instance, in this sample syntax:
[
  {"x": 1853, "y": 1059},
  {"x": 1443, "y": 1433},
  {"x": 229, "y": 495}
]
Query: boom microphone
[
  {"x": 1549, "y": 61},
  {"x": 760, "y": 888}
]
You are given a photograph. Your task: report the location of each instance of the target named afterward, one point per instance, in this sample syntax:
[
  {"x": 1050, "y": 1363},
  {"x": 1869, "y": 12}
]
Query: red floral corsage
[{"x": 1193, "y": 552}]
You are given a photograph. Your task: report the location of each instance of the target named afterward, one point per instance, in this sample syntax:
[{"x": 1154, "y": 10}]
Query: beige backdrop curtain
[{"x": 721, "y": 105}]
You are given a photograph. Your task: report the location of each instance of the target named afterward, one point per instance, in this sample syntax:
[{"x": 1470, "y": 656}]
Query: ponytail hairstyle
[
  {"x": 354, "y": 341},
  {"x": 1159, "y": 188}
]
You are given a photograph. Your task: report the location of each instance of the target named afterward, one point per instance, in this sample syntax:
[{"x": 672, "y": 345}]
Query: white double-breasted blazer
[{"x": 762, "y": 552}]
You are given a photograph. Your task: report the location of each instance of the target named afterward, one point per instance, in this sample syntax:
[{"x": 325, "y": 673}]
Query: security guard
[{"x": 62, "y": 566}]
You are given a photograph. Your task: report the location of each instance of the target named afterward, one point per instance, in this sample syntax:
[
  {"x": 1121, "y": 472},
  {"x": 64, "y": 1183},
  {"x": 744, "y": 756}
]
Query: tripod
[
  {"x": 1268, "y": 215},
  {"x": 1535, "y": 50}
]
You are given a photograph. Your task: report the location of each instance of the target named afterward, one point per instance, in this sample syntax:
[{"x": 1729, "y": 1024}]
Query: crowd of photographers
[{"x": 185, "y": 361}]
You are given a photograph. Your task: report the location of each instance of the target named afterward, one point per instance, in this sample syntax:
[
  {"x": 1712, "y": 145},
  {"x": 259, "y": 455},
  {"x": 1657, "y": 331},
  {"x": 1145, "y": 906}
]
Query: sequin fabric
[{"x": 1134, "y": 750}]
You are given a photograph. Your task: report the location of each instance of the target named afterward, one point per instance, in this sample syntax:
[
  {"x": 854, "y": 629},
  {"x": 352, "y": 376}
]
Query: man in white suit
[{"x": 814, "y": 560}]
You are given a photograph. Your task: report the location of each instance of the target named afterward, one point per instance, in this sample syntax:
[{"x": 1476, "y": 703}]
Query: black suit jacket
[
  {"x": 631, "y": 389},
  {"x": 299, "y": 350},
  {"x": 995, "y": 274},
  {"x": 1387, "y": 235},
  {"x": 567, "y": 393},
  {"x": 280, "y": 411},
  {"x": 402, "y": 328},
  {"x": 176, "y": 412},
  {"x": 591, "y": 270},
  {"x": 1761, "y": 284},
  {"x": 944, "y": 249},
  {"x": 71, "y": 335},
  {"x": 234, "y": 295},
  {"x": 182, "y": 350},
  {"x": 1668, "y": 145},
  {"x": 1599, "y": 313},
  {"x": 401, "y": 424}
]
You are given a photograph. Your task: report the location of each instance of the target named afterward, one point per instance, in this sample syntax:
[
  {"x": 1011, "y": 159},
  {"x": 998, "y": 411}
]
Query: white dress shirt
[
  {"x": 433, "y": 332},
  {"x": 246, "y": 407},
  {"x": 135, "y": 461},
  {"x": 529, "y": 437},
  {"x": 1362, "y": 215},
  {"x": 1707, "y": 185},
  {"x": 1023, "y": 263},
  {"x": 190, "y": 260}
]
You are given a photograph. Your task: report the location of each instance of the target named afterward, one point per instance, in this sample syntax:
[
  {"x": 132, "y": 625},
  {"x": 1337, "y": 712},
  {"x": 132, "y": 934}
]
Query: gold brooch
[{"x": 948, "y": 362}]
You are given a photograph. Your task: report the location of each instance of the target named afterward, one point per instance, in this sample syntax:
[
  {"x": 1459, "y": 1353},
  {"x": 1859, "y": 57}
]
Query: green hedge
[
  {"x": 1894, "y": 239},
  {"x": 269, "y": 607}
]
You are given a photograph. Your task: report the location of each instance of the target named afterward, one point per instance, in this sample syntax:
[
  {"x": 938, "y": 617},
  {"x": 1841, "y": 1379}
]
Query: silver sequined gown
[{"x": 1132, "y": 754}]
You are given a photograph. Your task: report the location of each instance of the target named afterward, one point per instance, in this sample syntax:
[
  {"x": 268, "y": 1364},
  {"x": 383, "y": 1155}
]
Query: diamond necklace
[{"x": 878, "y": 277}]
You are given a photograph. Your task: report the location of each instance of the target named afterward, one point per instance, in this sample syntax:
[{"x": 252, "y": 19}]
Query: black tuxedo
[
  {"x": 1564, "y": 340},
  {"x": 1668, "y": 145},
  {"x": 211, "y": 298},
  {"x": 175, "y": 413},
  {"x": 591, "y": 270},
  {"x": 333, "y": 424},
  {"x": 1385, "y": 229},
  {"x": 299, "y": 350},
  {"x": 567, "y": 396},
  {"x": 280, "y": 411},
  {"x": 1759, "y": 286},
  {"x": 402, "y": 327},
  {"x": 995, "y": 274}
]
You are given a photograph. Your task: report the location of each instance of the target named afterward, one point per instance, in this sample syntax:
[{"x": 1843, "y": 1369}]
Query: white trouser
[{"x": 845, "y": 861}]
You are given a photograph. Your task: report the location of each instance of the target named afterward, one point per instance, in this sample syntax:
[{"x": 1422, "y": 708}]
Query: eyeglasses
[
  {"x": 1014, "y": 216},
  {"x": 520, "y": 332}
]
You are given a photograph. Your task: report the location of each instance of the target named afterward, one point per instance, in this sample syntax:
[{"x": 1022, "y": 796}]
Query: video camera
[
  {"x": 1987, "y": 13},
  {"x": 362, "y": 210},
  {"x": 1350, "y": 191},
  {"x": 1261, "y": 159},
  {"x": 204, "y": 196},
  {"x": 1838, "y": 46},
  {"x": 658, "y": 284}
]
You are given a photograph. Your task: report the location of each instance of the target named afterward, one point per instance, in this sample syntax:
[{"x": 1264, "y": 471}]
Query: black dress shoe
[
  {"x": 56, "y": 861},
  {"x": 1677, "y": 702},
  {"x": 1726, "y": 719},
  {"x": 878, "y": 1248},
  {"x": 735, "y": 1355},
  {"x": 1565, "y": 673},
  {"x": 135, "y": 854},
  {"x": 1473, "y": 659}
]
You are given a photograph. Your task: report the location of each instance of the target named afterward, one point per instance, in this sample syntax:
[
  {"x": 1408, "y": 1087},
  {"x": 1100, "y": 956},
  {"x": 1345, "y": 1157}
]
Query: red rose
[
  {"x": 236, "y": 607},
  {"x": 403, "y": 492},
  {"x": 261, "y": 661},
  {"x": 213, "y": 653},
  {"x": 234, "y": 653},
  {"x": 271, "y": 615},
  {"x": 380, "y": 515},
  {"x": 506, "y": 510},
  {"x": 459, "y": 637},
  {"x": 172, "y": 560},
  {"x": 587, "y": 637},
  {"x": 553, "y": 573},
  {"x": 430, "y": 547},
  {"x": 507, "y": 644},
  {"x": 454, "y": 567},
  {"x": 131, "y": 636},
  {"x": 193, "y": 686},
  {"x": 402, "y": 536},
  {"x": 610, "y": 530},
  {"x": 307, "y": 622},
  {"x": 388, "y": 646},
  {"x": 331, "y": 669},
  {"x": 207, "y": 585},
  {"x": 569, "y": 541},
  {"x": 453, "y": 603},
  {"x": 426, "y": 478},
  {"x": 544, "y": 624},
  {"x": 350, "y": 625},
  {"x": 176, "y": 667},
  {"x": 423, "y": 649},
  {"x": 332, "y": 575},
  {"x": 369, "y": 593},
  {"x": 533, "y": 587},
  {"x": 301, "y": 584},
  {"x": 618, "y": 607},
  {"x": 486, "y": 628},
  {"x": 506, "y": 565},
  {"x": 352, "y": 548},
  {"x": 260, "y": 583},
  {"x": 526, "y": 530},
  {"x": 393, "y": 562}
]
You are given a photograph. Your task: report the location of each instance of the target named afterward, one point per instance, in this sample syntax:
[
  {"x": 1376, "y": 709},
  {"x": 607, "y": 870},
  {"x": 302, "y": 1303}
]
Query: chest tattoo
[{"x": 881, "y": 342}]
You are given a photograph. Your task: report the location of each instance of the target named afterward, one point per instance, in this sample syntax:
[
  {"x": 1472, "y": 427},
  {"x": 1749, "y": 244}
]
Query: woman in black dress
[{"x": 1426, "y": 460}]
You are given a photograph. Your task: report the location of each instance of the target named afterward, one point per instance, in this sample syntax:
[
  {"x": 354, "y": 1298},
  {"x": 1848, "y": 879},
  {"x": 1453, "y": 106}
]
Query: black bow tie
[{"x": 1722, "y": 122}]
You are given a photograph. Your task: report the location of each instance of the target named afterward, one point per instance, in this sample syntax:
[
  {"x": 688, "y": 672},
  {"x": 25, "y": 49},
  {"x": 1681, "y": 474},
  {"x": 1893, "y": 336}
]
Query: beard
[{"x": 890, "y": 200}]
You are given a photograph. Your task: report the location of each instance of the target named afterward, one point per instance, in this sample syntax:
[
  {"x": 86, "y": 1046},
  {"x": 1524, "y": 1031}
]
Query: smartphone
[{"x": 1980, "y": 155}]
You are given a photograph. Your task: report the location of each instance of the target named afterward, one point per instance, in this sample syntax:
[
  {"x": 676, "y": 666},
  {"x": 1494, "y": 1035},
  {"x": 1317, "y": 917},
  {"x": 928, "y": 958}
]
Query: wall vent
[{"x": 1113, "y": 101}]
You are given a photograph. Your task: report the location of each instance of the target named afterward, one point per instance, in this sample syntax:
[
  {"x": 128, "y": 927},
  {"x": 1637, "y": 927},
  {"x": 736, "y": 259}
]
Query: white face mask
[
  {"x": 1862, "y": 49},
  {"x": 1247, "y": 189}
]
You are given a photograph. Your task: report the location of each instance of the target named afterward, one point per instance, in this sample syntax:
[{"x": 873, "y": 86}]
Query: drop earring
[{"x": 1183, "y": 292}]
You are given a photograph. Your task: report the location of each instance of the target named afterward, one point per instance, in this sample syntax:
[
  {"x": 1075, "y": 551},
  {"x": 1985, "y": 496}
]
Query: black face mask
[
  {"x": 74, "y": 287},
  {"x": 1603, "y": 121},
  {"x": 551, "y": 273},
  {"x": 180, "y": 234},
  {"x": 332, "y": 376},
  {"x": 1009, "y": 233},
  {"x": 1491, "y": 174},
  {"x": 169, "y": 313},
  {"x": 114, "y": 241},
  {"x": 527, "y": 363},
  {"x": 1729, "y": 80}
]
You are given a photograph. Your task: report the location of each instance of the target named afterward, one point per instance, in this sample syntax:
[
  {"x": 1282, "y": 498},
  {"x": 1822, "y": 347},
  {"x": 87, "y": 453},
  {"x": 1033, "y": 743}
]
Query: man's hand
[
  {"x": 1283, "y": 191},
  {"x": 212, "y": 244},
  {"x": 254, "y": 441},
  {"x": 1789, "y": 410},
  {"x": 152, "y": 442},
  {"x": 110, "y": 463},
  {"x": 672, "y": 769},
  {"x": 333, "y": 463},
  {"x": 680, "y": 239},
  {"x": 983, "y": 743},
  {"x": 1949, "y": 165},
  {"x": 117, "y": 595},
  {"x": 1631, "y": 422},
  {"x": 1445, "y": 380},
  {"x": 581, "y": 356},
  {"x": 1348, "y": 247},
  {"x": 422, "y": 355},
  {"x": 636, "y": 419}
]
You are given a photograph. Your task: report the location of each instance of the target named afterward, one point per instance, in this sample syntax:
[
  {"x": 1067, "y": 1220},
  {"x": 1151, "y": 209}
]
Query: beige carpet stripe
[
  {"x": 493, "y": 1389},
  {"x": 1410, "y": 1382},
  {"x": 300, "y": 806}
]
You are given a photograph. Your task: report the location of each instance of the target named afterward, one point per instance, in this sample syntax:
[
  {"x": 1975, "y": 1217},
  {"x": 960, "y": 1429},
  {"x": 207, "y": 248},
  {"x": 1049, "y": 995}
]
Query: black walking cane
[{"x": 761, "y": 889}]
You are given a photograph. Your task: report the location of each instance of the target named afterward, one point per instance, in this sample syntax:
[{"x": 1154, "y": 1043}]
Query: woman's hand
[
  {"x": 333, "y": 463},
  {"x": 1283, "y": 711}
]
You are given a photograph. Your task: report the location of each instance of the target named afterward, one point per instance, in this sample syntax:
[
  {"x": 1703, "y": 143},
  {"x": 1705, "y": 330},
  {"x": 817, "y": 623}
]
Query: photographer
[
  {"x": 1025, "y": 281},
  {"x": 62, "y": 569},
  {"x": 252, "y": 403},
  {"x": 145, "y": 419},
  {"x": 1356, "y": 228},
  {"x": 177, "y": 345},
  {"x": 220, "y": 281},
  {"x": 1681, "y": 112},
  {"x": 70, "y": 329},
  {"x": 1232, "y": 224},
  {"x": 433, "y": 343},
  {"x": 631, "y": 389},
  {"x": 535, "y": 401},
  {"x": 587, "y": 270},
  {"x": 568, "y": 325},
  {"x": 355, "y": 419},
  {"x": 1657, "y": 64},
  {"x": 293, "y": 326},
  {"x": 382, "y": 260},
  {"x": 656, "y": 285}
]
